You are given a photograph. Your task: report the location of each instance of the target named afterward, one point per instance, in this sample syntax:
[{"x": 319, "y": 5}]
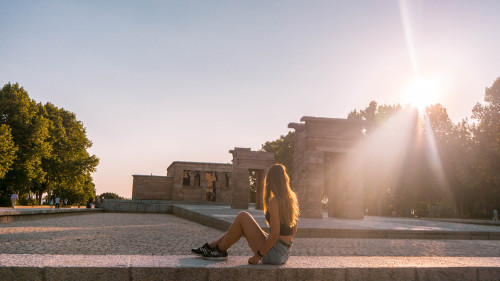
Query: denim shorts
[{"x": 278, "y": 254}]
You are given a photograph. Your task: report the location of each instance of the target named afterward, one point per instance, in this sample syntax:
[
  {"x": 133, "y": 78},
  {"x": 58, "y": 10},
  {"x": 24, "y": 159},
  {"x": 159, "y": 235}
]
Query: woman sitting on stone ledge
[{"x": 281, "y": 209}]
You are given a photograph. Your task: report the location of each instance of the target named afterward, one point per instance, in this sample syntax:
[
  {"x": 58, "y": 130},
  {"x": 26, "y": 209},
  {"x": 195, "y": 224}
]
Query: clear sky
[{"x": 162, "y": 81}]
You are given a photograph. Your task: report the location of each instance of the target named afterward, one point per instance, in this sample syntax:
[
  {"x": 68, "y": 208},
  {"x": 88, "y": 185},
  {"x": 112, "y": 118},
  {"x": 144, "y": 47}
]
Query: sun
[{"x": 422, "y": 93}]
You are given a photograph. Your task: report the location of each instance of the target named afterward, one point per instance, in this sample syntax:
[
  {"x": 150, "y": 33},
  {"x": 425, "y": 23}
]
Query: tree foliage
[
  {"x": 7, "y": 150},
  {"x": 448, "y": 169},
  {"x": 282, "y": 149},
  {"x": 45, "y": 149},
  {"x": 110, "y": 195}
]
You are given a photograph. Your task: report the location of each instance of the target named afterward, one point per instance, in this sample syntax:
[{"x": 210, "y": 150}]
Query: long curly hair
[{"x": 277, "y": 184}]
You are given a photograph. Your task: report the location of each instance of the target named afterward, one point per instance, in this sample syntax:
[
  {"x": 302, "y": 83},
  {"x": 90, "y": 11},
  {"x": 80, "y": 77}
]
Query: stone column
[
  {"x": 216, "y": 190},
  {"x": 345, "y": 194},
  {"x": 229, "y": 183},
  {"x": 191, "y": 178},
  {"x": 241, "y": 193},
  {"x": 220, "y": 179},
  {"x": 314, "y": 183},
  {"x": 178, "y": 192},
  {"x": 354, "y": 203},
  {"x": 338, "y": 188},
  {"x": 203, "y": 185},
  {"x": 260, "y": 189}
]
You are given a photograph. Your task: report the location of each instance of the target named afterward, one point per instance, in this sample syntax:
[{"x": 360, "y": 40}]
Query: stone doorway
[
  {"x": 244, "y": 161},
  {"x": 258, "y": 177},
  {"x": 210, "y": 191},
  {"x": 335, "y": 183}
]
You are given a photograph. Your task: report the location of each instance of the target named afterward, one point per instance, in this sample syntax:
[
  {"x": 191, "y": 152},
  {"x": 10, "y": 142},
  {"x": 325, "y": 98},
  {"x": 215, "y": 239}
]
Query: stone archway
[
  {"x": 245, "y": 160},
  {"x": 326, "y": 161}
]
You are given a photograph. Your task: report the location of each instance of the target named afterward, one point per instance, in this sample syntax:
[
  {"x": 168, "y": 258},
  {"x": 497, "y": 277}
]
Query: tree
[
  {"x": 7, "y": 150},
  {"x": 440, "y": 167},
  {"x": 486, "y": 147},
  {"x": 383, "y": 189},
  {"x": 110, "y": 195},
  {"x": 69, "y": 165},
  {"x": 29, "y": 133},
  {"x": 449, "y": 169},
  {"x": 283, "y": 150},
  {"x": 43, "y": 149}
]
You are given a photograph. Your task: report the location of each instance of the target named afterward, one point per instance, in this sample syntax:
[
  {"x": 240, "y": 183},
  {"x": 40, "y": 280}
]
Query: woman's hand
[{"x": 254, "y": 260}]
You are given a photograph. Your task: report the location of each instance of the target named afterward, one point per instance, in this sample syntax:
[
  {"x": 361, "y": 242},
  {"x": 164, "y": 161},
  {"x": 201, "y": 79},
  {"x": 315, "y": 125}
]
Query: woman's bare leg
[{"x": 243, "y": 225}]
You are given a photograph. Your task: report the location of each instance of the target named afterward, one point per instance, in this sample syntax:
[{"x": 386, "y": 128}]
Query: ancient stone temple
[{"x": 327, "y": 165}]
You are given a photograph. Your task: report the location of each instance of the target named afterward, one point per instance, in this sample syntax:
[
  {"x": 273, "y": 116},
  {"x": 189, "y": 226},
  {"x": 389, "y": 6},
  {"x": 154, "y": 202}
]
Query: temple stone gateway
[
  {"x": 245, "y": 161},
  {"x": 327, "y": 164}
]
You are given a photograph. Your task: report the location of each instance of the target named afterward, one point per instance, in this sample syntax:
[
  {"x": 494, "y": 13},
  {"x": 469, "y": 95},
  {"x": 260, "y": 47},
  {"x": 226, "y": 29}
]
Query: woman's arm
[{"x": 274, "y": 211}]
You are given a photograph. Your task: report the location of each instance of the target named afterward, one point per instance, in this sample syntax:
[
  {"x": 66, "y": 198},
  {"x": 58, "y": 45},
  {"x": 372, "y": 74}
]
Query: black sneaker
[
  {"x": 202, "y": 250},
  {"x": 216, "y": 254}
]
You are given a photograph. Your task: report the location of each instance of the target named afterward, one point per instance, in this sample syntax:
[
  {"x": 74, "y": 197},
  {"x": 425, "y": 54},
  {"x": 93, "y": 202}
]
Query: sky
[{"x": 160, "y": 81}]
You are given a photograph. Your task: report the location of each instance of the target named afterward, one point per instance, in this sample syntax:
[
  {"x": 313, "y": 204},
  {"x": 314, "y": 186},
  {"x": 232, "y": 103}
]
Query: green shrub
[{"x": 26, "y": 201}]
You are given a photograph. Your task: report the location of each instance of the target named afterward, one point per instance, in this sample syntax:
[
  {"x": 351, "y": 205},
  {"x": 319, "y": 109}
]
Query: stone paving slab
[
  {"x": 220, "y": 217},
  {"x": 164, "y": 234},
  {"x": 181, "y": 267}
]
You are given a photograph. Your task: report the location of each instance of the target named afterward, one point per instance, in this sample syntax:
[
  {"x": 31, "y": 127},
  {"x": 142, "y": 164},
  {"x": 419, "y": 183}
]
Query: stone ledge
[
  {"x": 200, "y": 218},
  {"x": 177, "y": 208},
  {"x": 24, "y": 215},
  {"x": 395, "y": 234},
  {"x": 137, "y": 206},
  {"x": 126, "y": 267}
]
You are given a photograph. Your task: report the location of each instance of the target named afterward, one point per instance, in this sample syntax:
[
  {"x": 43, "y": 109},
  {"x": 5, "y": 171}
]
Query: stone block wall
[
  {"x": 137, "y": 206},
  {"x": 152, "y": 187}
]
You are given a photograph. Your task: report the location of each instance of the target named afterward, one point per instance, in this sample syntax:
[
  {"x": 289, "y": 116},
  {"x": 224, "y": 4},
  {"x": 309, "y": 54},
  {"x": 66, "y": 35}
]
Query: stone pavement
[
  {"x": 163, "y": 234},
  {"x": 134, "y": 246}
]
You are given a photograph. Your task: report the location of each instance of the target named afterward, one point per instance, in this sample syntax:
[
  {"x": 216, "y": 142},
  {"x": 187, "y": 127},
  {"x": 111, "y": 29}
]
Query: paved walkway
[{"x": 162, "y": 234}]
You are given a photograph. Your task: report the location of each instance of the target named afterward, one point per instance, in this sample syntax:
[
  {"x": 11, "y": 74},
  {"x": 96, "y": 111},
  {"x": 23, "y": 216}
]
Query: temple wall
[{"x": 152, "y": 187}]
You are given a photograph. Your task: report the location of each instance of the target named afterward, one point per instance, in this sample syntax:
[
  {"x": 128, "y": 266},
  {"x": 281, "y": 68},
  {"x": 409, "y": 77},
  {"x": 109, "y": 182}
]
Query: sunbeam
[
  {"x": 409, "y": 10},
  {"x": 423, "y": 91},
  {"x": 433, "y": 154}
]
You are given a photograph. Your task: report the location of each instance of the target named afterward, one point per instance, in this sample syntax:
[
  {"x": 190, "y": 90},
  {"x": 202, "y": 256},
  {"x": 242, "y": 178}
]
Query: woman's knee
[{"x": 243, "y": 215}]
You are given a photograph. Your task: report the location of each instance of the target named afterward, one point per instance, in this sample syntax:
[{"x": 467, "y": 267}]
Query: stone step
[{"x": 178, "y": 268}]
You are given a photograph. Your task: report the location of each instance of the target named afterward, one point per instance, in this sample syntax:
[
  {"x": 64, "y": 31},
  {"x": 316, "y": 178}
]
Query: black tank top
[{"x": 285, "y": 230}]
